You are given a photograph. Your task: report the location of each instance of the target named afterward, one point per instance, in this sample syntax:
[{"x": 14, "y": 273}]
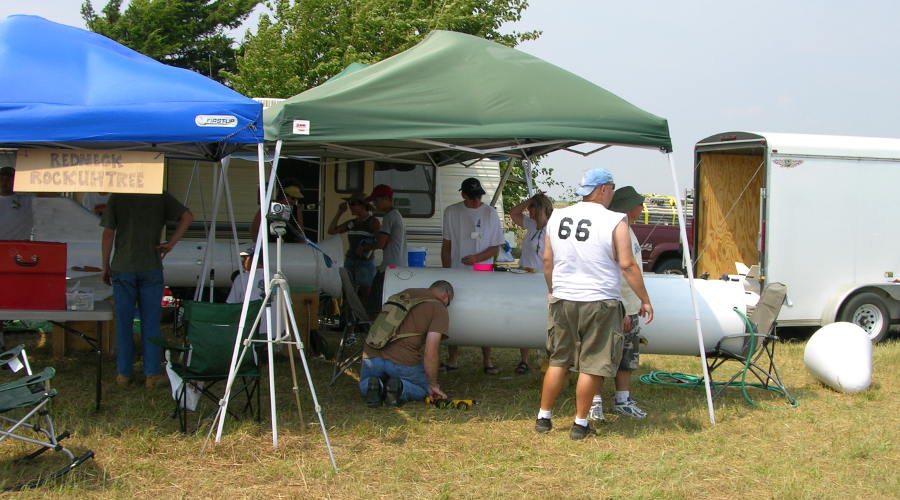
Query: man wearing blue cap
[{"x": 587, "y": 250}]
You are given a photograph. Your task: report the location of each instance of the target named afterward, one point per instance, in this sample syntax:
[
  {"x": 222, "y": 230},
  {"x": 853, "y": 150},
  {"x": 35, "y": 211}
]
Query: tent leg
[{"x": 690, "y": 272}]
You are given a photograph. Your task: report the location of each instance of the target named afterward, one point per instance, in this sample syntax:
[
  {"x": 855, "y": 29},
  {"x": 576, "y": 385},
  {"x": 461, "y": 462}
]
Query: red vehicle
[{"x": 661, "y": 249}]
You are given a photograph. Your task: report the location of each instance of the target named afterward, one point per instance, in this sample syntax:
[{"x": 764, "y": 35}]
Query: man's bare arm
[
  {"x": 106, "y": 244},
  {"x": 630, "y": 268},
  {"x": 548, "y": 263},
  {"x": 432, "y": 353}
]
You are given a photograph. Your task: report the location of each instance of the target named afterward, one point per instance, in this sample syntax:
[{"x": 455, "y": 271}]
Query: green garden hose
[{"x": 695, "y": 381}]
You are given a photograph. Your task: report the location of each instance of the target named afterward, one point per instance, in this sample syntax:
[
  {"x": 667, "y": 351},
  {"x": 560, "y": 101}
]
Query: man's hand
[
  {"x": 342, "y": 207},
  {"x": 626, "y": 323},
  {"x": 646, "y": 312},
  {"x": 165, "y": 248},
  {"x": 106, "y": 277},
  {"x": 435, "y": 392},
  {"x": 469, "y": 260}
]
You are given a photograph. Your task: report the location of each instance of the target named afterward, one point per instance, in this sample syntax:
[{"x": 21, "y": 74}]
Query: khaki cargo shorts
[{"x": 585, "y": 336}]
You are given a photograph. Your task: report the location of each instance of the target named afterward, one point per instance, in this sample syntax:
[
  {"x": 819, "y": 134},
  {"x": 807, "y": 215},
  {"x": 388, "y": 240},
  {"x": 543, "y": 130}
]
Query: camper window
[
  {"x": 348, "y": 176},
  {"x": 413, "y": 187}
]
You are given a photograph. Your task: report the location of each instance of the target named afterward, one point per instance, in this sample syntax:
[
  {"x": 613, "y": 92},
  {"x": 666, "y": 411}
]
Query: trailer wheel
[
  {"x": 869, "y": 311},
  {"x": 672, "y": 265}
]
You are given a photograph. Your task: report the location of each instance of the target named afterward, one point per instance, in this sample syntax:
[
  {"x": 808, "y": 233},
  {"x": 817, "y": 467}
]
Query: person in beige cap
[
  {"x": 628, "y": 201},
  {"x": 289, "y": 193}
]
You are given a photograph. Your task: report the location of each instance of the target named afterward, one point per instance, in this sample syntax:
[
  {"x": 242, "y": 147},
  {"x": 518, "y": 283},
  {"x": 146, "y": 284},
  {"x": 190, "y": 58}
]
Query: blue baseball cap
[{"x": 593, "y": 178}]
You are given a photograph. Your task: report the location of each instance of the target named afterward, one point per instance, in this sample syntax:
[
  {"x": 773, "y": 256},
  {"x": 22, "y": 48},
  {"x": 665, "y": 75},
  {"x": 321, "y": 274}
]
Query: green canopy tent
[{"x": 455, "y": 99}]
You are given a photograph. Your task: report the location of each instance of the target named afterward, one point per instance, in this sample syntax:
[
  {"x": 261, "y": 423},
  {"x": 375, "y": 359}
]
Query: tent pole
[
  {"x": 526, "y": 165},
  {"x": 219, "y": 421},
  {"x": 267, "y": 268},
  {"x": 503, "y": 179},
  {"x": 690, "y": 276},
  {"x": 226, "y": 162}
]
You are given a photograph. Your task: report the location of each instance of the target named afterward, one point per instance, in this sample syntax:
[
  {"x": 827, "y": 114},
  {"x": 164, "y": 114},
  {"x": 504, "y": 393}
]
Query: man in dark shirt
[
  {"x": 134, "y": 223},
  {"x": 406, "y": 369}
]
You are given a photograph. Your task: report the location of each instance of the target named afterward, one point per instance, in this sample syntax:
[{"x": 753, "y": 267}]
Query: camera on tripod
[{"x": 279, "y": 212}]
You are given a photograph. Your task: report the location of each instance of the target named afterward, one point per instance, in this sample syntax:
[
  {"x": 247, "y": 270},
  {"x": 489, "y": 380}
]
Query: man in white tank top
[{"x": 586, "y": 251}]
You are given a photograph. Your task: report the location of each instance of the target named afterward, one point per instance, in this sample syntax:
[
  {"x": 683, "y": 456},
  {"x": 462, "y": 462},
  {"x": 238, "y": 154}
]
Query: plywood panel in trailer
[{"x": 728, "y": 219}]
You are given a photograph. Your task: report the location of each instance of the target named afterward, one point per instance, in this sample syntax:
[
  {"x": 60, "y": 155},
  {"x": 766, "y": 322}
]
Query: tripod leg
[{"x": 312, "y": 389}]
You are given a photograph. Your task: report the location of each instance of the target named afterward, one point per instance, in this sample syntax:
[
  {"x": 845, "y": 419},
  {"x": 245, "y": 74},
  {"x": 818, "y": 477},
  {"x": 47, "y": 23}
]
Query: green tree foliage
[
  {"x": 305, "y": 42},
  {"x": 185, "y": 33},
  {"x": 516, "y": 190}
]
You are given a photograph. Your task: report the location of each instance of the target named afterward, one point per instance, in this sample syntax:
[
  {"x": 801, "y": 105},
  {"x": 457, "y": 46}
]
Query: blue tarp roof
[{"x": 63, "y": 85}]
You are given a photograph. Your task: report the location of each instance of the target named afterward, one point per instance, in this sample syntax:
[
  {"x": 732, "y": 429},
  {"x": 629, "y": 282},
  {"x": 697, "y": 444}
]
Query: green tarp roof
[{"x": 456, "y": 97}]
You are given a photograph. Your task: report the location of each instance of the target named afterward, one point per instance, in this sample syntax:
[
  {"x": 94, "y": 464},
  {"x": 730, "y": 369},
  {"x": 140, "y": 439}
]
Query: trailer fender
[{"x": 888, "y": 290}]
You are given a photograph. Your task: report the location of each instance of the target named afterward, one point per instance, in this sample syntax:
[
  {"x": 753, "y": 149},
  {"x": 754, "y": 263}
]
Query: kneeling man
[{"x": 406, "y": 368}]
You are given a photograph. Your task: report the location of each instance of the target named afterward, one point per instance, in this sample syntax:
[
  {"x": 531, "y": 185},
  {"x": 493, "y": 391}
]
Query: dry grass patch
[{"x": 833, "y": 445}]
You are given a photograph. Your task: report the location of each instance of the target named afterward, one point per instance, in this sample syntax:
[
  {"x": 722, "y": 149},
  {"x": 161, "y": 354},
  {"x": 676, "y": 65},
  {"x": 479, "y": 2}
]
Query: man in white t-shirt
[
  {"x": 472, "y": 235},
  {"x": 586, "y": 251},
  {"x": 626, "y": 200},
  {"x": 16, "y": 214}
]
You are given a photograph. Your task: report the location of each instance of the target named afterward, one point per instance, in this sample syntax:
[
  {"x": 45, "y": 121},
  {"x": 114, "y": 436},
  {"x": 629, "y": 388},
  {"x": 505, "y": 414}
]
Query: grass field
[{"x": 833, "y": 446}]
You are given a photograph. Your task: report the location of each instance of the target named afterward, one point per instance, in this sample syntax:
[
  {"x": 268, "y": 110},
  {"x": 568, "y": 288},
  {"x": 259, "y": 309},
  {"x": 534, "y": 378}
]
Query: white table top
[{"x": 102, "y": 312}]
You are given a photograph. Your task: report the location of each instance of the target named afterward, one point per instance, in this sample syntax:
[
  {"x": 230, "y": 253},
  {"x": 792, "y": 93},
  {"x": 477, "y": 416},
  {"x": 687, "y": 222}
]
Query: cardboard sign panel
[{"x": 66, "y": 171}]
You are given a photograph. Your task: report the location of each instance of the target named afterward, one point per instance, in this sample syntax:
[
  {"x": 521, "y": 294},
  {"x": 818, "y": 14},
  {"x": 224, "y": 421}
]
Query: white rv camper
[
  {"x": 421, "y": 193},
  {"x": 815, "y": 212}
]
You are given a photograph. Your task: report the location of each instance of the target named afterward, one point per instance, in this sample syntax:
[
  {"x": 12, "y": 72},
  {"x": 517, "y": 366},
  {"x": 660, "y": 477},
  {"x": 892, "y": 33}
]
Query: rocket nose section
[{"x": 840, "y": 356}]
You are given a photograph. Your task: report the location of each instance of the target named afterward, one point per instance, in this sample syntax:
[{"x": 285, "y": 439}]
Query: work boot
[
  {"x": 155, "y": 381},
  {"x": 123, "y": 380},
  {"x": 543, "y": 425},
  {"x": 374, "y": 393},
  {"x": 394, "y": 388},
  {"x": 581, "y": 431}
]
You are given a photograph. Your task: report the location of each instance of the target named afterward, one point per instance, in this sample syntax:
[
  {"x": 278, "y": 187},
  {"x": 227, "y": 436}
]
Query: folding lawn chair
[
  {"x": 206, "y": 356},
  {"x": 31, "y": 394},
  {"x": 755, "y": 349},
  {"x": 356, "y": 327}
]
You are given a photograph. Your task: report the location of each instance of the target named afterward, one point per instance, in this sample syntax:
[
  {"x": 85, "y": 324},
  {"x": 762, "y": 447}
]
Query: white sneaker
[
  {"x": 596, "y": 412},
  {"x": 629, "y": 408}
]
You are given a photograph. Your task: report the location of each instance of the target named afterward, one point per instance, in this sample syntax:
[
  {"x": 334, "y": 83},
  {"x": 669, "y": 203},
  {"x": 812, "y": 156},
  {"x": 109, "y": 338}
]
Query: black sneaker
[
  {"x": 542, "y": 425},
  {"x": 394, "y": 388},
  {"x": 375, "y": 393},
  {"x": 581, "y": 431}
]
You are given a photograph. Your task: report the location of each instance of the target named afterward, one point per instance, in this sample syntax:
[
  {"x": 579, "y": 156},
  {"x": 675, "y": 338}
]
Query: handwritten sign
[{"x": 65, "y": 171}]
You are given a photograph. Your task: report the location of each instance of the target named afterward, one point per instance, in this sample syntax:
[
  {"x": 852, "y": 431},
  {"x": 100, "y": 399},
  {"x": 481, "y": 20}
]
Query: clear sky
[{"x": 806, "y": 66}]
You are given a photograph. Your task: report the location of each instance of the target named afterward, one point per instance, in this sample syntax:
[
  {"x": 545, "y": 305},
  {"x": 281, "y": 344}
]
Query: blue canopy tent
[{"x": 62, "y": 86}]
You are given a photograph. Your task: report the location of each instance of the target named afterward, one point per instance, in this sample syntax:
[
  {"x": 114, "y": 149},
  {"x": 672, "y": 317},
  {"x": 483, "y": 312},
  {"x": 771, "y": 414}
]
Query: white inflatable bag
[{"x": 840, "y": 356}]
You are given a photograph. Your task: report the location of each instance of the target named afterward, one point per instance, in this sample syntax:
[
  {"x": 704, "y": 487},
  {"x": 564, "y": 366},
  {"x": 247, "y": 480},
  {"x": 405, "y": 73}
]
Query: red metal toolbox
[{"x": 32, "y": 275}]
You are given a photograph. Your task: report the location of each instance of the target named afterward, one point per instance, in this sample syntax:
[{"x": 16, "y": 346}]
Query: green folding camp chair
[
  {"x": 753, "y": 350},
  {"x": 31, "y": 394},
  {"x": 205, "y": 357}
]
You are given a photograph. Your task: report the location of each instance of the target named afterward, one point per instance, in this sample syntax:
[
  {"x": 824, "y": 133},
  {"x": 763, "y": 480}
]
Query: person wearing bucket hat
[
  {"x": 587, "y": 251},
  {"x": 361, "y": 230},
  {"x": 288, "y": 192},
  {"x": 472, "y": 234},
  {"x": 628, "y": 201}
]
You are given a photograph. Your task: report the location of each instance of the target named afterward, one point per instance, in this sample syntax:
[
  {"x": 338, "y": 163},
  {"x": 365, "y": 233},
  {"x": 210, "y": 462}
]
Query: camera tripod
[{"x": 277, "y": 294}]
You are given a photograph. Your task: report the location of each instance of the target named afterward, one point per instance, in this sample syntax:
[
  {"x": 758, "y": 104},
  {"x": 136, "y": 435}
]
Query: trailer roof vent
[{"x": 727, "y": 137}]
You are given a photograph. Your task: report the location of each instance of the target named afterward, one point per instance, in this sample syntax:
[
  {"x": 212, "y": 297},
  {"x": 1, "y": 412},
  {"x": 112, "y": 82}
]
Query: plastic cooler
[
  {"x": 33, "y": 274},
  {"x": 416, "y": 256}
]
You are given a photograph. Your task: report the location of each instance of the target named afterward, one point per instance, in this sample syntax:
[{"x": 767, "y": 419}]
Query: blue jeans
[
  {"x": 415, "y": 382},
  {"x": 144, "y": 289},
  {"x": 361, "y": 271}
]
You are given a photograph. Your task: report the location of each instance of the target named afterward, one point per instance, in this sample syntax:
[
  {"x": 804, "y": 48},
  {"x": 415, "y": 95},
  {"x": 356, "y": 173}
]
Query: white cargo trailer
[{"x": 816, "y": 212}]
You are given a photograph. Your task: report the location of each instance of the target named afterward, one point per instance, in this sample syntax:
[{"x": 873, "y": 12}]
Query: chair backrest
[
  {"x": 768, "y": 307},
  {"x": 357, "y": 309},
  {"x": 211, "y": 330}
]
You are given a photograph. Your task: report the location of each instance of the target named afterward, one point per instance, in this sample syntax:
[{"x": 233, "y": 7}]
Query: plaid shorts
[{"x": 631, "y": 349}]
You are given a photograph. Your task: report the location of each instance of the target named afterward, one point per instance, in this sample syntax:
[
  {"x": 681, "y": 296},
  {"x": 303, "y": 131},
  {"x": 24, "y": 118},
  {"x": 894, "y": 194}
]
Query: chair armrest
[
  {"x": 10, "y": 355},
  {"x": 37, "y": 378}
]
